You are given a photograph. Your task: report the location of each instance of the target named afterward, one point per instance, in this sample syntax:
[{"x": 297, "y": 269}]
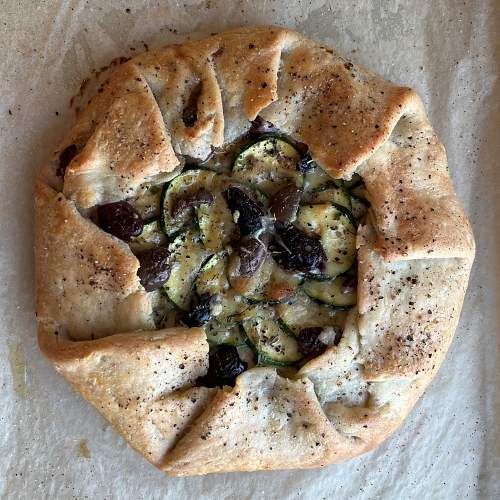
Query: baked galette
[{"x": 249, "y": 254}]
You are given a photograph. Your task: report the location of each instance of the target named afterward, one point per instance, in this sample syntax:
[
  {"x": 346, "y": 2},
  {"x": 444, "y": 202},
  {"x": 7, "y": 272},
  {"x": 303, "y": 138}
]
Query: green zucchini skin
[
  {"x": 359, "y": 201},
  {"x": 328, "y": 194},
  {"x": 267, "y": 336},
  {"x": 228, "y": 333},
  {"x": 334, "y": 225},
  {"x": 187, "y": 257},
  {"x": 268, "y": 164},
  {"x": 261, "y": 314},
  {"x": 333, "y": 292},
  {"x": 185, "y": 183},
  {"x": 347, "y": 212},
  {"x": 303, "y": 312},
  {"x": 212, "y": 278}
]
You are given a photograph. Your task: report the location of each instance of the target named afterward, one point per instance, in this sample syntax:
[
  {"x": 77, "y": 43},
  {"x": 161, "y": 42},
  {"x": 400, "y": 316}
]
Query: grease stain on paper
[
  {"x": 18, "y": 368},
  {"x": 83, "y": 449}
]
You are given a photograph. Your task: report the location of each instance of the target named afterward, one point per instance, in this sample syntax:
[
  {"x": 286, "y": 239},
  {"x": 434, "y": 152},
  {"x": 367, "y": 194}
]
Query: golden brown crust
[
  {"x": 415, "y": 253},
  {"x": 122, "y": 142},
  {"x": 408, "y": 312},
  {"x": 235, "y": 74},
  {"x": 342, "y": 111},
  {"x": 248, "y": 64},
  {"x": 178, "y": 78},
  {"x": 131, "y": 378},
  {"x": 373, "y": 422},
  {"x": 174, "y": 414},
  {"x": 264, "y": 422},
  {"x": 416, "y": 213},
  {"x": 86, "y": 280}
]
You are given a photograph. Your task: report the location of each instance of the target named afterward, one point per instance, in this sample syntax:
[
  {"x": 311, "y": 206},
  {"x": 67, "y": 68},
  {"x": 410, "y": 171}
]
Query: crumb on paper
[
  {"x": 83, "y": 449},
  {"x": 17, "y": 364}
]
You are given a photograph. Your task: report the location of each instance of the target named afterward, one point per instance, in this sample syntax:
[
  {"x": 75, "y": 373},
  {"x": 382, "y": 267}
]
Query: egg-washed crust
[
  {"x": 133, "y": 379},
  {"x": 86, "y": 280},
  {"x": 415, "y": 254}
]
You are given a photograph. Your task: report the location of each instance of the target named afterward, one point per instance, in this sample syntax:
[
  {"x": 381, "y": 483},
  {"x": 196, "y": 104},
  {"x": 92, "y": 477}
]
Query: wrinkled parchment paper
[{"x": 52, "y": 443}]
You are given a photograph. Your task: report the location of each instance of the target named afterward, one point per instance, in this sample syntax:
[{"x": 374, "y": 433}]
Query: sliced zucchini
[
  {"x": 249, "y": 286},
  {"x": 182, "y": 185},
  {"x": 328, "y": 194},
  {"x": 334, "y": 292},
  {"x": 303, "y": 312},
  {"x": 272, "y": 344},
  {"x": 337, "y": 233},
  {"x": 228, "y": 304},
  {"x": 152, "y": 236},
  {"x": 347, "y": 213},
  {"x": 317, "y": 178},
  {"x": 216, "y": 220},
  {"x": 165, "y": 313},
  {"x": 224, "y": 333},
  {"x": 187, "y": 257},
  {"x": 268, "y": 165},
  {"x": 147, "y": 203},
  {"x": 212, "y": 278}
]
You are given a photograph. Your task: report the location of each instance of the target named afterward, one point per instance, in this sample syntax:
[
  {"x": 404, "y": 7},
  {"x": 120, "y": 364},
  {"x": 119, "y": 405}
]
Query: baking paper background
[{"x": 55, "y": 445}]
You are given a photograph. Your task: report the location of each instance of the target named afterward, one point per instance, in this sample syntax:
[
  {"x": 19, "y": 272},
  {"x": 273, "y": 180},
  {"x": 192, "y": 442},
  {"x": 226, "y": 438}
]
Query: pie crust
[{"x": 415, "y": 253}]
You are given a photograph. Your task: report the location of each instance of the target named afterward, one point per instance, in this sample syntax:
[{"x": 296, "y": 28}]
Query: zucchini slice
[
  {"x": 216, "y": 220},
  {"x": 228, "y": 304},
  {"x": 328, "y": 194},
  {"x": 337, "y": 233},
  {"x": 333, "y": 292},
  {"x": 152, "y": 236},
  {"x": 282, "y": 284},
  {"x": 359, "y": 201},
  {"x": 317, "y": 178},
  {"x": 303, "y": 312},
  {"x": 147, "y": 203},
  {"x": 224, "y": 333},
  {"x": 216, "y": 223},
  {"x": 249, "y": 286},
  {"x": 186, "y": 259},
  {"x": 165, "y": 313},
  {"x": 212, "y": 278},
  {"x": 271, "y": 342},
  {"x": 268, "y": 165},
  {"x": 182, "y": 185}
]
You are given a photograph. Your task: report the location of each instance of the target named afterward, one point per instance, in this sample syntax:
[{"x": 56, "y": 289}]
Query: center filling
[{"x": 257, "y": 245}]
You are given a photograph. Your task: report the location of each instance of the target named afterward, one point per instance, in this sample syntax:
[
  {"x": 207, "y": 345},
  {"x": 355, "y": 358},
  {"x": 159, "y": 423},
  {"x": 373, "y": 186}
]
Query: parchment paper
[{"x": 52, "y": 443}]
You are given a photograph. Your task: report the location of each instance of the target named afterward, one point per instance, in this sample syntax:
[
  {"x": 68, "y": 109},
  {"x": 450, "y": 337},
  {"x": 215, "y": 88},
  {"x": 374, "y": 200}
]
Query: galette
[{"x": 249, "y": 253}]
